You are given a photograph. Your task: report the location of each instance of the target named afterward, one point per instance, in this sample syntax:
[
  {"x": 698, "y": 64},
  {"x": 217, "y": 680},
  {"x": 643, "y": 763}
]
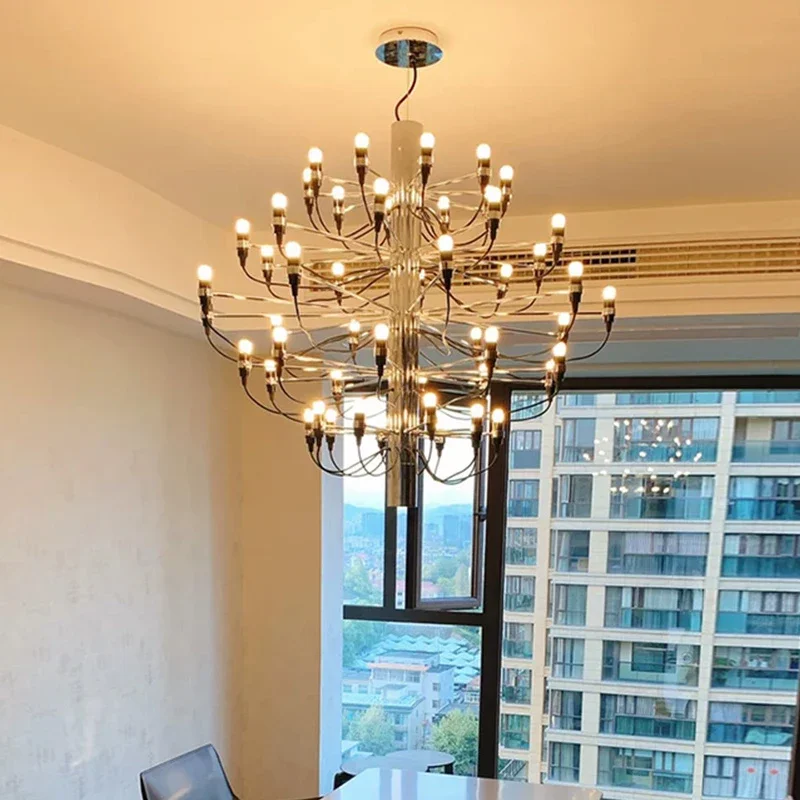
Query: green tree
[
  {"x": 358, "y": 638},
  {"x": 358, "y": 588},
  {"x": 457, "y": 734},
  {"x": 374, "y": 731}
]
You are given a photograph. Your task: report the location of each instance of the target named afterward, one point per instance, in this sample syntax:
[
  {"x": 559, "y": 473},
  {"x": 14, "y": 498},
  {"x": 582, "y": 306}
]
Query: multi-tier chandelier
[{"x": 409, "y": 270}]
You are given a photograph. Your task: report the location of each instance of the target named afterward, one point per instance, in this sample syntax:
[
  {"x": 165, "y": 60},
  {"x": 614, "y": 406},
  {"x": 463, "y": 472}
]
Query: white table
[{"x": 398, "y": 784}]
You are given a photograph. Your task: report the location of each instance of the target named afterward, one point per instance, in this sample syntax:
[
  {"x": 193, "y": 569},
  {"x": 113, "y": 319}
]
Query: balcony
[
  {"x": 657, "y": 564},
  {"x": 573, "y": 454},
  {"x": 515, "y": 740},
  {"x": 566, "y": 722},
  {"x": 526, "y": 459},
  {"x": 769, "y": 451},
  {"x": 630, "y": 777},
  {"x": 761, "y": 566},
  {"x": 736, "y": 733},
  {"x": 761, "y": 679},
  {"x": 664, "y": 451},
  {"x": 577, "y": 508},
  {"x": 513, "y": 648},
  {"x": 564, "y": 774},
  {"x": 567, "y": 670},
  {"x": 783, "y": 396},
  {"x": 660, "y": 619},
  {"x": 518, "y": 602},
  {"x": 674, "y": 675},
  {"x": 660, "y": 507},
  {"x": 649, "y": 726},
  {"x": 569, "y": 617},
  {"x": 523, "y": 508},
  {"x": 518, "y": 695},
  {"x": 758, "y": 624},
  {"x": 764, "y": 508}
]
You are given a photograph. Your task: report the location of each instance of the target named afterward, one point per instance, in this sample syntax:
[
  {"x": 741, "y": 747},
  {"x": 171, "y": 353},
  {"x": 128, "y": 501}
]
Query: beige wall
[{"x": 159, "y": 575}]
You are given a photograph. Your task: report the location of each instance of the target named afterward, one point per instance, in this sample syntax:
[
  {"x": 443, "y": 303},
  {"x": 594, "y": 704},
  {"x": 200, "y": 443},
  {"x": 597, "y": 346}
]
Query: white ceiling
[{"x": 598, "y": 103}]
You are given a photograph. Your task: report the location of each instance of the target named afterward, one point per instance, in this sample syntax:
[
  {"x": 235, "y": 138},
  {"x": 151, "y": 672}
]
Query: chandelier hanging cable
[{"x": 426, "y": 295}]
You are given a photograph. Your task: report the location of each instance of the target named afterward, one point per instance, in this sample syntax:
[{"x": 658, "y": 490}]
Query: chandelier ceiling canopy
[{"x": 413, "y": 297}]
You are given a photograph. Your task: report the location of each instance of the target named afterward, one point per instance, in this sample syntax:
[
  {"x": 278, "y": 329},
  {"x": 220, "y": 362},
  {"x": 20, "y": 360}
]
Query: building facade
[{"x": 652, "y": 593}]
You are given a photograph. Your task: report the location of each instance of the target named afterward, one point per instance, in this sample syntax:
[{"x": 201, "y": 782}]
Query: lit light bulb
[
  {"x": 507, "y": 173},
  {"x": 476, "y": 411},
  {"x": 270, "y": 365},
  {"x": 245, "y": 347},
  {"x": 445, "y": 243},
  {"x": 483, "y": 370},
  {"x": 307, "y": 175},
  {"x": 380, "y": 187},
  {"x": 276, "y": 320},
  {"x": 354, "y": 326},
  {"x": 493, "y": 195},
  {"x": 337, "y": 269},
  {"x": 279, "y": 201},
  {"x": 609, "y": 293},
  {"x": 430, "y": 400},
  {"x": 550, "y": 365},
  {"x": 361, "y": 141},
  {"x": 427, "y": 141},
  {"x": 337, "y": 193},
  {"x": 381, "y": 332},
  {"x": 560, "y": 349},
  {"x": 205, "y": 273},
  {"x": 422, "y": 380},
  {"x": 267, "y": 252},
  {"x": 330, "y": 416},
  {"x": 242, "y": 227},
  {"x": 491, "y": 335},
  {"x": 506, "y": 271},
  {"x": 564, "y": 319},
  {"x": 540, "y": 250},
  {"x": 315, "y": 156},
  {"x": 575, "y": 269},
  {"x": 279, "y": 334},
  {"x": 337, "y": 375},
  {"x": 422, "y": 275},
  {"x": 483, "y": 152},
  {"x": 476, "y": 334},
  {"x": 443, "y": 203},
  {"x": 308, "y": 416},
  {"x": 293, "y": 251},
  {"x": 318, "y": 407},
  {"x": 558, "y": 222},
  {"x": 498, "y": 416}
]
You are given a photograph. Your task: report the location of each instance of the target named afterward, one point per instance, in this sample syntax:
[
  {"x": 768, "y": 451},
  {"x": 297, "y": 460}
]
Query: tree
[
  {"x": 358, "y": 588},
  {"x": 374, "y": 731},
  {"x": 358, "y": 638},
  {"x": 457, "y": 734}
]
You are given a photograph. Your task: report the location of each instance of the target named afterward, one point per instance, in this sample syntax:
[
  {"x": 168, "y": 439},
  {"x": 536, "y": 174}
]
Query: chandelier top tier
[{"x": 404, "y": 311}]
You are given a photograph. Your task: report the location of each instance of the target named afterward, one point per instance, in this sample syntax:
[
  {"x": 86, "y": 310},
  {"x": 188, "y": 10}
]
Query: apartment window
[
  {"x": 654, "y": 609},
  {"x": 517, "y": 640},
  {"x": 661, "y": 497},
  {"x": 668, "y": 398},
  {"x": 526, "y": 449},
  {"x": 521, "y": 547},
  {"x": 660, "y": 717},
  {"x": 760, "y": 440},
  {"x": 568, "y": 604},
  {"x": 759, "y": 779},
  {"x": 767, "y": 498},
  {"x": 682, "y": 440},
  {"x": 515, "y": 731},
  {"x": 651, "y": 662},
  {"x": 764, "y": 613},
  {"x": 782, "y": 396},
  {"x": 565, "y": 762},
  {"x": 516, "y": 686},
  {"x": 575, "y": 400},
  {"x": 569, "y": 551},
  {"x": 512, "y": 769},
  {"x": 572, "y": 496},
  {"x": 567, "y": 658},
  {"x": 577, "y": 440},
  {"x": 525, "y": 402},
  {"x": 751, "y": 723},
  {"x": 645, "y": 553},
  {"x": 523, "y": 498},
  {"x": 566, "y": 710},
  {"x": 767, "y": 555},
  {"x": 651, "y": 770},
  {"x": 763, "y": 669},
  {"x": 520, "y": 591}
]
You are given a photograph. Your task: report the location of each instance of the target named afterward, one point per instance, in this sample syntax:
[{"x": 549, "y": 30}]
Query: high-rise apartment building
[{"x": 652, "y": 593}]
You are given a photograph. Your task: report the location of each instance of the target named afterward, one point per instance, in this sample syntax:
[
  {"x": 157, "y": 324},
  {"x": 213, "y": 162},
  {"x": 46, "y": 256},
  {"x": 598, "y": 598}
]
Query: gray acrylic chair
[{"x": 197, "y": 775}]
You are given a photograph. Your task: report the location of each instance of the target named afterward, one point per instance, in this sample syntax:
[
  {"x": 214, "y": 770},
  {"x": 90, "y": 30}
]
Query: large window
[
  {"x": 761, "y": 613},
  {"x": 569, "y": 551},
  {"x": 764, "y": 498},
  {"x": 526, "y": 449},
  {"x": 659, "y": 717},
  {"x": 653, "y": 770},
  {"x": 521, "y": 547},
  {"x": 677, "y": 440},
  {"x": 761, "y": 555},
  {"x": 572, "y": 496},
  {"x": 654, "y": 496},
  {"x": 577, "y": 440},
  {"x": 652, "y": 608},
  {"x": 523, "y": 498},
  {"x": 753, "y": 778},
  {"x": 644, "y": 553},
  {"x": 751, "y": 723},
  {"x": 568, "y": 604}
]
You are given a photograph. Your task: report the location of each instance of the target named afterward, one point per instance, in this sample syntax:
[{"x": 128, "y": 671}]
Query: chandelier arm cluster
[{"x": 369, "y": 289}]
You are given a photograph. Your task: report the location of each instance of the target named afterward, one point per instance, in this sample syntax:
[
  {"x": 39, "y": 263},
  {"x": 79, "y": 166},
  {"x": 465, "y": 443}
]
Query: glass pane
[
  {"x": 411, "y": 687},
  {"x": 364, "y": 517},
  {"x": 605, "y": 682}
]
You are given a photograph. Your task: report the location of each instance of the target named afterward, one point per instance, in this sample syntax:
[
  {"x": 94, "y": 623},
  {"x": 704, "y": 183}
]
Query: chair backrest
[{"x": 197, "y": 775}]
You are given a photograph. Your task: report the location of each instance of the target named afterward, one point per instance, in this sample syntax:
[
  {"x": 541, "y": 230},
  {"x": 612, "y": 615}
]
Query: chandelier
[{"x": 404, "y": 299}]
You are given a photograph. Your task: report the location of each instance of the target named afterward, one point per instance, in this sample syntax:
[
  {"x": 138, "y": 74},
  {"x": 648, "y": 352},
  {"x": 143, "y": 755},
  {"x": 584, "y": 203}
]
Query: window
[
  {"x": 657, "y": 770},
  {"x": 745, "y": 777},
  {"x": 668, "y": 398},
  {"x": 515, "y": 731},
  {"x": 764, "y": 613},
  {"x": 751, "y": 723},
  {"x": 785, "y": 396},
  {"x": 569, "y": 551},
  {"x": 517, "y": 640},
  {"x": 656, "y": 609},
  {"x": 676, "y": 440},
  {"x": 565, "y": 762},
  {"x": 643, "y": 553},
  {"x": 760, "y": 440},
  {"x": 765, "y": 498},
  {"x": 576, "y": 400},
  {"x": 520, "y": 592},
  {"x": 521, "y": 547},
  {"x": 526, "y": 449},
  {"x": 568, "y": 604},
  {"x": 756, "y": 668},
  {"x": 523, "y": 498},
  {"x": 512, "y": 769},
  {"x": 651, "y": 662},
  {"x": 660, "y": 717},
  {"x": 516, "y": 686},
  {"x": 661, "y": 497},
  {"x": 572, "y": 496},
  {"x": 577, "y": 440},
  {"x": 767, "y": 555},
  {"x": 567, "y": 658},
  {"x": 566, "y": 710}
]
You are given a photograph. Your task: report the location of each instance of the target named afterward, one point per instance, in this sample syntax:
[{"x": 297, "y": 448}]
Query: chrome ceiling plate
[{"x": 409, "y": 47}]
